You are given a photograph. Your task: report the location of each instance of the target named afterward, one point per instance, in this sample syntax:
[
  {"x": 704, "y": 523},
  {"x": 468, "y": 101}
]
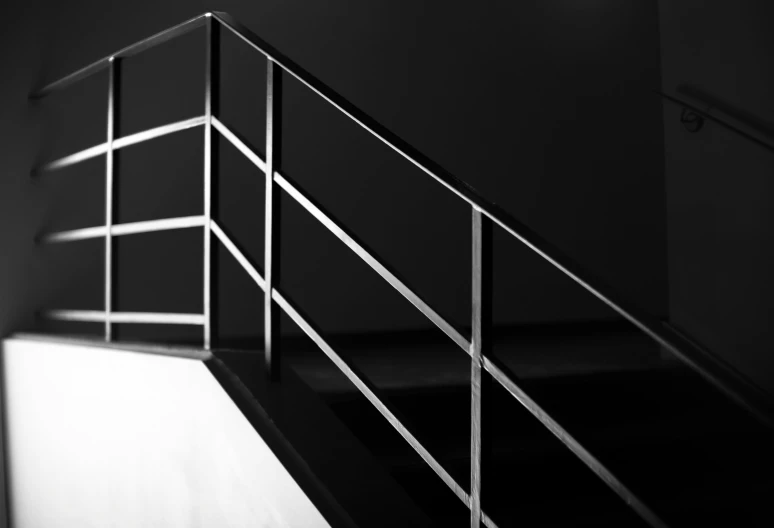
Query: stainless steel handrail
[
  {"x": 134, "y": 49},
  {"x": 697, "y": 359},
  {"x": 129, "y": 228},
  {"x": 126, "y": 141},
  {"x": 474, "y": 348},
  {"x": 96, "y": 316},
  {"x": 484, "y": 215}
]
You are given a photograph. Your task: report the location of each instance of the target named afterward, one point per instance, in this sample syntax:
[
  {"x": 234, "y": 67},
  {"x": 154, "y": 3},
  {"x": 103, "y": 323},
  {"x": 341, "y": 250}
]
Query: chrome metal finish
[
  {"x": 487, "y": 521},
  {"x": 158, "y": 318},
  {"x": 484, "y": 215},
  {"x": 475, "y": 442},
  {"x": 111, "y": 128},
  {"x": 481, "y": 322},
  {"x": 75, "y": 234},
  {"x": 270, "y": 318},
  {"x": 238, "y": 255},
  {"x": 239, "y": 144},
  {"x": 151, "y": 226},
  {"x": 690, "y": 356},
  {"x": 723, "y": 379},
  {"x": 646, "y": 323},
  {"x": 372, "y": 261},
  {"x": 587, "y": 458},
  {"x": 91, "y": 69},
  {"x": 118, "y": 143},
  {"x": 347, "y": 238},
  {"x": 72, "y": 159},
  {"x": 153, "y": 133},
  {"x": 86, "y": 316},
  {"x": 370, "y": 393},
  {"x": 130, "y": 228},
  {"x": 94, "y": 316},
  {"x": 208, "y": 166}
]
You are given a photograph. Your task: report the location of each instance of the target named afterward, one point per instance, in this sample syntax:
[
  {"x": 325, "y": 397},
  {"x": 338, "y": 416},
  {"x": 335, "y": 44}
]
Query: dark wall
[
  {"x": 545, "y": 107},
  {"x": 21, "y": 47},
  {"x": 721, "y": 185}
]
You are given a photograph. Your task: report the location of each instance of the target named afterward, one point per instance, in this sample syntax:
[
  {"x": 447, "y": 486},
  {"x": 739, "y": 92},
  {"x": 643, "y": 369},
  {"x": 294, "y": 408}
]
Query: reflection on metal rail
[
  {"x": 94, "y": 316},
  {"x": 368, "y": 390},
  {"x": 132, "y": 228},
  {"x": 484, "y": 216},
  {"x": 346, "y": 237},
  {"x": 133, "y": 139}
]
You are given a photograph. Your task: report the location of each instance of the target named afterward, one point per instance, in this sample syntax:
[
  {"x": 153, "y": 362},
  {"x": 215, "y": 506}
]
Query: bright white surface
[{"x": 102, "y": 438}]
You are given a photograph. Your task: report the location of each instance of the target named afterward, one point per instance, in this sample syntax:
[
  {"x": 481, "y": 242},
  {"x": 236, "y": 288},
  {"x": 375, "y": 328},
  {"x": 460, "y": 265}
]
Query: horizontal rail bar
[
  {"x": 315, "y": 336},
  {"x": 128, "y": 51},
  {"x": 693, "y": 358},
  {"x": 372, "y": 261},
  {"x": 151, "y": 226},
  {"x": 131, "y": 228},
  {"x": 94, "y": 316},
  {"x": 238, "y": 255},
  {"x": 133, "y": 139},
  {"x": 157, "y": 318},
  {"x": 159, "y": 131},
  {"x": 72, "y": 159},
  {"x": 72, "y": 235},
  {"x": 587, "y": 458},
  {"x": 726, "y": 382},
  {"x": 682, "y": 349},
  {"x": 348, "y": 239},
  {"x": 370, "y": 394},
  {"x": 86, "y": 316}
]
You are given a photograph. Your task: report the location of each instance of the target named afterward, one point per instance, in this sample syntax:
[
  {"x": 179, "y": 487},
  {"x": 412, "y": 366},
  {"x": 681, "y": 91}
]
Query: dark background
[{"x": 547, "y": 108}]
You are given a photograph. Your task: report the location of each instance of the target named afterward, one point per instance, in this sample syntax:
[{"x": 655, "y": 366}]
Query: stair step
[{"x": 673, "y": 440}]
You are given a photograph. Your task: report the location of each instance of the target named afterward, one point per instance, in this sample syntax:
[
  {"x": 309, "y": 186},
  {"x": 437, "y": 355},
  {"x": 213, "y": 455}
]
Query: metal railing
[
  {"x": 742, "y": 129},
  {"x": 484, "y": 216}
]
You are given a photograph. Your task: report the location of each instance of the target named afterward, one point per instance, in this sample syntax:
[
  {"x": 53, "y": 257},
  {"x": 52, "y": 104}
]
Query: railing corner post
[
  {"x": 272, "y": 352},
  {"x": 211, "y": 82}
]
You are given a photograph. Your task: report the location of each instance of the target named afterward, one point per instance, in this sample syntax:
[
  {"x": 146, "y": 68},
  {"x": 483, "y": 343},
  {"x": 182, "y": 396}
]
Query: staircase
[
  {"x": 680, "y": 460},
  {"x": 654, "y": 423},
  {"x": 629, "y": 424}
]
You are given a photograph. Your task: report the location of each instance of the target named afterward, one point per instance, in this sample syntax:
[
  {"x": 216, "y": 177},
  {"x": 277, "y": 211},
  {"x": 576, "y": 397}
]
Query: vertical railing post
[
  {"x": 109, "y": 198},
  {"x": 272, "y": 220},
  {"x": 210, "y": 102},
  {"x": 481, "y": 312}
]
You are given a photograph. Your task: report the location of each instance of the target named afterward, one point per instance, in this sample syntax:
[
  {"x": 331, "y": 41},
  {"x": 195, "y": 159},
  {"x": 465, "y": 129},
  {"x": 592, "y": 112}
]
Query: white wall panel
[{"x": 104, "y": 438}]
